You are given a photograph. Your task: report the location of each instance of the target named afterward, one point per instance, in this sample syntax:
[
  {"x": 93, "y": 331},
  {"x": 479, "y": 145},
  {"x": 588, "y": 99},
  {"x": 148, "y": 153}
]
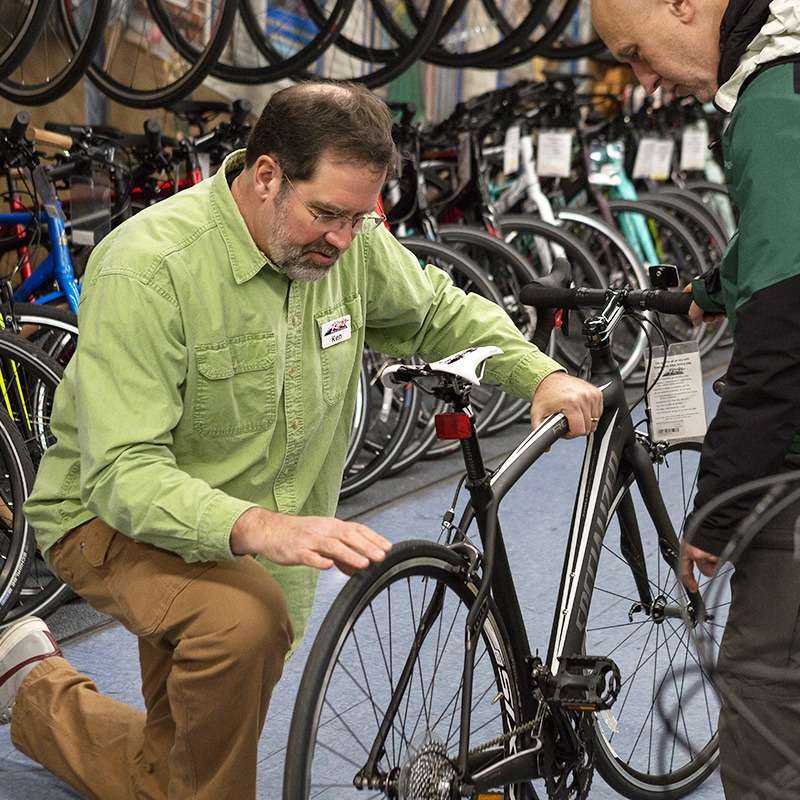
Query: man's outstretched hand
[{"x": 319, "y": 542}]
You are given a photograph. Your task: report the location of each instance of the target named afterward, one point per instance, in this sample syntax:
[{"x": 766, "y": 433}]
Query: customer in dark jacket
[{"x": 744, "y": 54}]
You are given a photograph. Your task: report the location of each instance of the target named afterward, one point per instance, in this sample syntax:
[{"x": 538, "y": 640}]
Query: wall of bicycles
[{"x": 521, "y": 144}]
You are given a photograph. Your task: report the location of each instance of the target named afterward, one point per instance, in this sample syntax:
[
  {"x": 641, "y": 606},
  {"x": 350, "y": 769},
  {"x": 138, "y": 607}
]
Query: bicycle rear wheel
[
  {"x": 416, "y": 598},
  {"x": 641, "y": 753}
]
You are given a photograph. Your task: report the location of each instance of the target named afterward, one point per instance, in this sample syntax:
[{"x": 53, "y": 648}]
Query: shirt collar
[{"x": 245, "y": 257}]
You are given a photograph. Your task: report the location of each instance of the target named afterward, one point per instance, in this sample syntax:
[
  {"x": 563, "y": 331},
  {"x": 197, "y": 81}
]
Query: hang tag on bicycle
[
  {"x": 654, "y": 158},
  {"x": 511, "y": 151},
  {"x": 694, "y": 148},
  {"x": 675, "y": 401},
  {"x": 90, "y": 208},
  {"x": 204, "y": 161},
  {"x": 554, "y": 154}
]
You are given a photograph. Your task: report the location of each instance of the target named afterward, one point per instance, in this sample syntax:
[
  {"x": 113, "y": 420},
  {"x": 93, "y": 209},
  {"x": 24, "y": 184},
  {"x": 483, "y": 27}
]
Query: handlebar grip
[
  {"x": 241, "y": 109},
  {"x": 62, "y": 171},
  {"x": 22, "y": 119},
  {"x": 540, "y": 296},
  {"x": 152, "y": 134},
  {"x": 670, "y": 302},
  {"x": 41, "y": 136}
]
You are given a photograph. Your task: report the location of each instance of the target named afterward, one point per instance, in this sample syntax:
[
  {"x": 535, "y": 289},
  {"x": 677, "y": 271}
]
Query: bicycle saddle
[{"x": 464, "y": 364}]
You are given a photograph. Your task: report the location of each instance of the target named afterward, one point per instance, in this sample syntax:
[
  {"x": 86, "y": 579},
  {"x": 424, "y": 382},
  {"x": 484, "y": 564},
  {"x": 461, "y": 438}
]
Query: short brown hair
[{"x": 302, "y": 122}]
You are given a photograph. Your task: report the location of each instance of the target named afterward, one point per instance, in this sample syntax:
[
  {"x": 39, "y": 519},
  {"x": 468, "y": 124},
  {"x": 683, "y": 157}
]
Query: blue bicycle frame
[{"x": 58, "y": 264}]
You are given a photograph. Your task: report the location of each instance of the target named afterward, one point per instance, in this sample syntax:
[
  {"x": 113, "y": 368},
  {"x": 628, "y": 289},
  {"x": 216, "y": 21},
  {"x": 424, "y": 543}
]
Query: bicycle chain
[{"x": 503, "y": 738}]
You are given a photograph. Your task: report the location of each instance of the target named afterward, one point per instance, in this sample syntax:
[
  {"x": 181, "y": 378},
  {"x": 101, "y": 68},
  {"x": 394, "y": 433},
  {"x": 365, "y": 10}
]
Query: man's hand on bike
[
  {"x": 696, "y": 314},
  {"x": 579, "y": 401},
  {"x": 319, "y": 542},
  {"x": 706, "y": 563}
]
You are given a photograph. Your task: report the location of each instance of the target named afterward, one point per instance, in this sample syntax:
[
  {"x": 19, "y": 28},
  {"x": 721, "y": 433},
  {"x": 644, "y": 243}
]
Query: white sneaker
[{"x": 22, "y": 646}]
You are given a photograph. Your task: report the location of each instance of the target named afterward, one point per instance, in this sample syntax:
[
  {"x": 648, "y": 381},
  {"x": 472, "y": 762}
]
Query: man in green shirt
[{"x": 205, "y": 419}]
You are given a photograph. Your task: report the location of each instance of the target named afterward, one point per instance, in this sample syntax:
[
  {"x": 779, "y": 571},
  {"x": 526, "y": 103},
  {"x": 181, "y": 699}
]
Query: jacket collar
[{"x": 753, "y": 34}]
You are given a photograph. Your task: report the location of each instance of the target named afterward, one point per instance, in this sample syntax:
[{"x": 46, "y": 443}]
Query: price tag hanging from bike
[{"x": 676, "y": 403}]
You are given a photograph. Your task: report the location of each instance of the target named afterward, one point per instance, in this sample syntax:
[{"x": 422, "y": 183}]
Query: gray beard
[{"x": 293, "y": 261}]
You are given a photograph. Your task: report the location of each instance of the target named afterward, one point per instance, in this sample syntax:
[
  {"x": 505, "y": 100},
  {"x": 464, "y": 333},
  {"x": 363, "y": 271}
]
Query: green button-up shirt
[{"x": 200, "y": 386}]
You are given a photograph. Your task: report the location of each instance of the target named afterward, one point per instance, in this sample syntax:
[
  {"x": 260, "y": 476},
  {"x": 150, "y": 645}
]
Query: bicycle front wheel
[
  {"x": 397, "y": 628},
  {"x": 659, "y": 740}
]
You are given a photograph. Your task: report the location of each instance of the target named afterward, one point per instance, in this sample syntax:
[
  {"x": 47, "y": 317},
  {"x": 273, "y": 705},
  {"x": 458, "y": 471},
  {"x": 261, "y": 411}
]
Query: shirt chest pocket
[
  {"x": 236, "y": 385},
  {"x": 338, "y": 342}
]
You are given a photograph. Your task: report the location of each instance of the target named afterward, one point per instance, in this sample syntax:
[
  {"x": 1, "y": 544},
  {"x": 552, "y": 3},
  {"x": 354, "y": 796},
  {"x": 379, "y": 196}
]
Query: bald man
[{"x": 745, "y": 55}]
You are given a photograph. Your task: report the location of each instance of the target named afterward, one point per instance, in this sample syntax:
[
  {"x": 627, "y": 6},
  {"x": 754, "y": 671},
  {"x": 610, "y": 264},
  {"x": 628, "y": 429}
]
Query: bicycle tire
[
  {"x": 42, "y": 592},
  {"x": 626, "y": 268},
  {"x": 17, "y": 542},
  {"x": 570, "y": 350},
  {"x": 358, "y": 429},
  {"x": 394, "y": 61},
  {"x": 509, "y": 270},
  {"x": 62, "y": 80},
  {"x": 691, "y": 266},
  {"x": 533, "y": 48},
  {"x": 440, "y": 56},
  {"x": 613, "y": 610},
  {"x": 279, "y": 66},
  {"x": 425, "y": 563},
  {"x": 381, "y": 446},
  {"x": 181, "y": 86},
  {"x": 425, "y": 444},
  {"x": 53, "y": 329},
  {"x": 24, "y": 36},
  {"x": 697, "y": 204}
]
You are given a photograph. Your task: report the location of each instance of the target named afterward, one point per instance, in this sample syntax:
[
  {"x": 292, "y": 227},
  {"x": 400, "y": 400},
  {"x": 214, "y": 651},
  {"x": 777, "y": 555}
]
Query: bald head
[{"x": 669, "y": 44}]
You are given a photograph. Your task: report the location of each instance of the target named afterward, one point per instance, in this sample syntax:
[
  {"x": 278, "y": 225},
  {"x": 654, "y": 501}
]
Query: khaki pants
[{"x": 212, "y": 643}]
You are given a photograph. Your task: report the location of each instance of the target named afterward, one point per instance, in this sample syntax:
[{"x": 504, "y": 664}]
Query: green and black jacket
[{"x": 758, "y": 284}]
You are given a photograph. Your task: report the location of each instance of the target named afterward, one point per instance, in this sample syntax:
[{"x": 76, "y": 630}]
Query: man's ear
[
  {"x": 267, "y": 176},
  {"x": 683, "y": 10}
]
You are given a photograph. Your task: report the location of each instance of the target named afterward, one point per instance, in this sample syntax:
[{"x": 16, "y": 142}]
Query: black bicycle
[{"x": 421, "y": 684}]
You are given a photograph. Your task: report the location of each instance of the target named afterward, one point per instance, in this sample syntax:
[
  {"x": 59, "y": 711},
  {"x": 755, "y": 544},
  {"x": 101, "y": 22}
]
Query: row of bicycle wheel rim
[{"x": 150, "y": 53}]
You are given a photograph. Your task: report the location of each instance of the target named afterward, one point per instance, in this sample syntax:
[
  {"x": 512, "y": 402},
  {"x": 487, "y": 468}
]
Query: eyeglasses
[{"x": 360, "y": 223}]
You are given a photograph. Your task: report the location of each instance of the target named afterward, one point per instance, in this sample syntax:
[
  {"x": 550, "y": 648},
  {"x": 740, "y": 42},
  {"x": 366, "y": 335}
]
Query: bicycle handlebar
[
  {"x": 41, "y": 136},
  {"x": 152, "y": 133},
  {"x": 18, "y": 127},
  {"x": 241, "y": 109},
  {"x": 646, "y": 300}
]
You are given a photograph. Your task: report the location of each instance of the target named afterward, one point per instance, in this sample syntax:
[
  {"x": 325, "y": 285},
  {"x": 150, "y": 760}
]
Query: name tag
[{"x": 336, "y": 331}]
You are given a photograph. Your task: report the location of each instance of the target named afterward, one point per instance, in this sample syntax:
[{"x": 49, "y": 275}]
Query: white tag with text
[
  {"x": 554, "y": 154},
  {"x": 694, "y": 149},
  {"x": 335, "y": 331},
  {"x": 204, "y": 160},
  {"x": 662, "y": 160},
  {"x": 511, "y": 151},
  {"x": 677, "y": 406}
]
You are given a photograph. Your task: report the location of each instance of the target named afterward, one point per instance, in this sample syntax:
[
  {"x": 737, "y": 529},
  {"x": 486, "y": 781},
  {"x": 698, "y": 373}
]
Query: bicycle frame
[{"x": 615, "y": 456}]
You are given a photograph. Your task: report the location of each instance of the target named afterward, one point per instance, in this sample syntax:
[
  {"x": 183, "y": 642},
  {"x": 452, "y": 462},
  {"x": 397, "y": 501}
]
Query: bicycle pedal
[{"x": 584, "y": 683}]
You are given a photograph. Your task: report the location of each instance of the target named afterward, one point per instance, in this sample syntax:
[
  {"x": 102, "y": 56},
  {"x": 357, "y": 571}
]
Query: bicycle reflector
[{"x": 453, "y": 426}]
